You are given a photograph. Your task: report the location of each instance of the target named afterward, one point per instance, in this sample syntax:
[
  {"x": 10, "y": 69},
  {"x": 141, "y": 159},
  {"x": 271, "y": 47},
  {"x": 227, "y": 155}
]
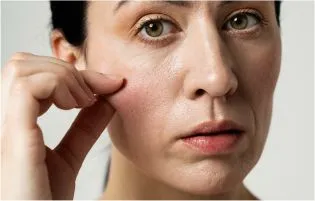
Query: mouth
[
  {"x": 214, "y": 137},
  {"x": 216, "y": 133},
  {"x": 214, "y": 128}
]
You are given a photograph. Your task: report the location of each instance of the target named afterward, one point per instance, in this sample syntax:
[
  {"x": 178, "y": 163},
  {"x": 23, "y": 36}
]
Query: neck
[{"x": 128, "y": 182}]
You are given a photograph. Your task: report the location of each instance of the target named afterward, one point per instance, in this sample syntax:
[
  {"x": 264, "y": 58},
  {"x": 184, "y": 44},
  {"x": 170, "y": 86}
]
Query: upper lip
[{"x": 215, "y": 127}]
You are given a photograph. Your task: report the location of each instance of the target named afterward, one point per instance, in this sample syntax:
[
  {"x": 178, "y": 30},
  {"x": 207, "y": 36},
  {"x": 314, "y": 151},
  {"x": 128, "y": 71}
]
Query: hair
[{"x": 73, "y": 24}]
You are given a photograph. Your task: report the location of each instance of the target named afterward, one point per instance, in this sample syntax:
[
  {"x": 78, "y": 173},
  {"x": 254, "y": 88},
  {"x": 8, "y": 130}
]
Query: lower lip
[{"x": 215, "y": 144}]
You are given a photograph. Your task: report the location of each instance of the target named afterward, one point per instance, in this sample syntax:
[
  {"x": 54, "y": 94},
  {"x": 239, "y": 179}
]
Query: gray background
[{"x": 286, "y": 169}]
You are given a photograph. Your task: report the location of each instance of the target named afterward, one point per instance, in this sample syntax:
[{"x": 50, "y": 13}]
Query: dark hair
[{"x": 72, "y": 24}]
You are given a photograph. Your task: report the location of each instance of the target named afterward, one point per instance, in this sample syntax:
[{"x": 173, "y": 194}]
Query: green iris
[
  {"x": 154, "y": 29},
  {"x": 239, "y": 22}
]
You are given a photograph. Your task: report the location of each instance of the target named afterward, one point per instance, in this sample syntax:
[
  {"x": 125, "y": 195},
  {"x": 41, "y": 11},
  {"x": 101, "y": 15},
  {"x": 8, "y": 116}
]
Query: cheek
[
  {"x": 129, "y": 127},
  {"x": 141, "y": 107},
  {"x": 140, "y": 100},
  {"x": 265, "y": 76},
  {"x": 133, "y": 101},
  {"x": 258, "y": 77},
  {"x": 258, "y": 71}
]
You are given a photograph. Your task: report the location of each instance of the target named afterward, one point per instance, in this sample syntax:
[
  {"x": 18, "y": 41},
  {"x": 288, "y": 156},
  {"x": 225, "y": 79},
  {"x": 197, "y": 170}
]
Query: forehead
[{"x": 118, "y": 6}]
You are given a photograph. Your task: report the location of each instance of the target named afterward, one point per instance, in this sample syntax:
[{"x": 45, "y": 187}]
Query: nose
[{"x": 210, "y": 68}]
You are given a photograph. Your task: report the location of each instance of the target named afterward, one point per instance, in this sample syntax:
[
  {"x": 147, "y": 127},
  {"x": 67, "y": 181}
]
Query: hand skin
[{"x": 30, "y": 85}]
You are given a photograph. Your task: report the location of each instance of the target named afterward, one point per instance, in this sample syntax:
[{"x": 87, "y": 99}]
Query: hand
[{"x": 30, "y": 85}]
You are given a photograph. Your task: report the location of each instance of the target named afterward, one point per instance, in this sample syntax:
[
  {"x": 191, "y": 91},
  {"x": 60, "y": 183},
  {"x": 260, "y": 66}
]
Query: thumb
[{"x": 83, "y": 133}]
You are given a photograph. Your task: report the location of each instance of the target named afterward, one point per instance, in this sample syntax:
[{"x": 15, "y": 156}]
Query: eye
[
  {"x": 155, "y": 29},
  {"x": 242, "y": 21}
]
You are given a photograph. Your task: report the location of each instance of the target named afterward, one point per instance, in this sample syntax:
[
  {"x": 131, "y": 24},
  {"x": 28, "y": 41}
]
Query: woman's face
[{"x": 187, "y": 63}]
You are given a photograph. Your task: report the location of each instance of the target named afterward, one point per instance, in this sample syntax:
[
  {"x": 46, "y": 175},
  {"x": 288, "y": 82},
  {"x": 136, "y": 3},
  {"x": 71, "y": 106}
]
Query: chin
[
  {"x": 208, "y": 178},
  {"x": 215, "y": 186}
]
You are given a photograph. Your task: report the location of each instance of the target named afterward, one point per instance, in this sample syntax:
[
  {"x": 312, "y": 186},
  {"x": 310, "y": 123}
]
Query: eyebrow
[{"x": 186, "y": 4}]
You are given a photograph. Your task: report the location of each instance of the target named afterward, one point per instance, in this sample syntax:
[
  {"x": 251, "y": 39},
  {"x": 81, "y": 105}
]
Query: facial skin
[{"x": 199, "y": 69}]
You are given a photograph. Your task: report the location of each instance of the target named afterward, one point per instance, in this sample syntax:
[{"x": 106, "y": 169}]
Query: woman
[{"x": 185, "y": 89}]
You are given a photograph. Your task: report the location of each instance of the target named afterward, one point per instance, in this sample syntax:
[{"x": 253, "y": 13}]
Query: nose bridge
[{"x": 210, "y": 65}]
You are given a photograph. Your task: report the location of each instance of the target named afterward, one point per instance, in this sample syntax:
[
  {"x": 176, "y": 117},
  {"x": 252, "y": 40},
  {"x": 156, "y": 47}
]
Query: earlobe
[{"x": 63, "y": 50}]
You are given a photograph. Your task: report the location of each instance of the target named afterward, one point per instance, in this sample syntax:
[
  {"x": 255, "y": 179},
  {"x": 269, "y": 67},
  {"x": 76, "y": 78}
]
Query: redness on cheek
[
  {"x": 132, "y": 107},
  {"x": 131, "y": 99}
]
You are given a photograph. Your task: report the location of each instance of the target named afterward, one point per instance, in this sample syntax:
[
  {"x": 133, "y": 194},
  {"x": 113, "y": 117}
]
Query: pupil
[
  {"x": 154, "y": 29},
  {"x": 237, "y": 20},
  {"x": 240, "y": 21}
]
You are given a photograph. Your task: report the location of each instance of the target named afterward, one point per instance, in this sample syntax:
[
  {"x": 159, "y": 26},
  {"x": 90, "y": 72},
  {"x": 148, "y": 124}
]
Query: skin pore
[{"x": 200, "y": 67}]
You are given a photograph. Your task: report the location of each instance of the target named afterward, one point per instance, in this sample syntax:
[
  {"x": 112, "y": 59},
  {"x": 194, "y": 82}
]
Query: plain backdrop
[{"x": 286, "y": 168}]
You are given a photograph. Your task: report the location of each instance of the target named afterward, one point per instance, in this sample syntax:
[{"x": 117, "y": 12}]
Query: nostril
[{"x": 200, "y": 92}]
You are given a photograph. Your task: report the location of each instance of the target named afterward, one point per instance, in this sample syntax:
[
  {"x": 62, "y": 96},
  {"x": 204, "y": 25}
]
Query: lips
[
  {"x": 221, "y": 132},
  {"x": 214, "y": 137},
  {"x": 213, "y": 128}
]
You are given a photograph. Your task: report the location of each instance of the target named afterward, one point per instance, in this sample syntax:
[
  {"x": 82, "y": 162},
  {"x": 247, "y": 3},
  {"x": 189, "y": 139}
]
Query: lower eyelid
[
  {"x": 251, "y": 33},
  {"x": 160, "y": 42}
]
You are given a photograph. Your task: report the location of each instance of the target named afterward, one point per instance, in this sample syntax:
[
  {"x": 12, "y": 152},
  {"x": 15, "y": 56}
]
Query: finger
[
  {"x": 20, "y": 56},
  {"x": 61, "y": 96},
  {"x": 102, "y": 84},
  {"x": 22, "y": 114},
  {"x": 24, "y": 68},
  {"x": 83, "y": 133},
  {"x": 70, "y": 67},
  {"x": 27, "y": 93}
]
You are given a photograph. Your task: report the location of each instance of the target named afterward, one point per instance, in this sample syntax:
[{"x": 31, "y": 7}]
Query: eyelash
[
  {"x": 161, "y": 41},
  {"x": 262, "y": 21}
]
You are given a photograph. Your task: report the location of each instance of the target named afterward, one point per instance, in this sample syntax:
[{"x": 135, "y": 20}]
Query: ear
[{"x": 63, "y": 50}]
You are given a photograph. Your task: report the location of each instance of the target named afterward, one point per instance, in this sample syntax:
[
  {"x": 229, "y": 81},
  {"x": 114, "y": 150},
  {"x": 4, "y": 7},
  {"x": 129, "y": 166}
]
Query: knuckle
[
  {"x": 20, "y": 56},
  {"x": 66, "y": 66},
  {"x": 65, "y": 72},
  {"x": 14, "y": 68}
]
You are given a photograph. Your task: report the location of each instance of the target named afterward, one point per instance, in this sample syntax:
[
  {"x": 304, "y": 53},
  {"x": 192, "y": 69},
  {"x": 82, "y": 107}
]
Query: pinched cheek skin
[
  {"x": 139, "y": 120},
  {"x": 142, "y": 106},
  {"x": 138, "y": 105},
  {"x": 148, "y": 89},
  {"x": 126, "y": 129},
  {"x": 131, "y": 102},
  {"x": 132, "y": 99}
]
